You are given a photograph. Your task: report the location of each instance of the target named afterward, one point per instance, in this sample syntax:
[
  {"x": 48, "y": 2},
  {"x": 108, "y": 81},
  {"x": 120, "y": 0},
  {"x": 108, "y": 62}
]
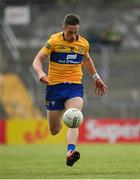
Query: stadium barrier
[
  {"x": 29, "y": 131},
  {"x": 15, "y": 131},
  {"x": 110, "y": 131},
  {"x": 2, "y": 131}
]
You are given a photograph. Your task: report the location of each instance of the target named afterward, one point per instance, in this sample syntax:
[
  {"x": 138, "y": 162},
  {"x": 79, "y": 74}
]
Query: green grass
[{"x": 48, "y": 162}]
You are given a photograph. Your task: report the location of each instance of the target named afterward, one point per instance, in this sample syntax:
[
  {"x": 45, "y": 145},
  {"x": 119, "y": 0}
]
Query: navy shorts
[{"x": 58, "y": 94}]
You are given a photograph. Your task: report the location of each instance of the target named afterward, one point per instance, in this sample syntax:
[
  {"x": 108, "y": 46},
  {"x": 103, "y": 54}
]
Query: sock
[{"x": 71, "y": 147}]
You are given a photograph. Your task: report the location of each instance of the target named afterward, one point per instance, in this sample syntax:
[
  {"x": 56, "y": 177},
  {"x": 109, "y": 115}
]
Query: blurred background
[{"x": 111, "y": 26}]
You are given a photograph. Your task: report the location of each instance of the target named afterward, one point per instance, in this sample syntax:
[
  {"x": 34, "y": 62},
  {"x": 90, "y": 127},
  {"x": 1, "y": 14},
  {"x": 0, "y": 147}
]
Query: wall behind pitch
[
  {"x": 29, "y": 131},
  {"x": 2, "y": 131},
  {"x": 32, "y": 132},
  {"x": 110, "y": 131}
]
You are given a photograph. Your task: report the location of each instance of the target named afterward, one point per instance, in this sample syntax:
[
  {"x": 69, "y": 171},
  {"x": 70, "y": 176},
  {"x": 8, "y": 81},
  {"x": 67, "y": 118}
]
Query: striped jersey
[{"x": 65, "y": 58}]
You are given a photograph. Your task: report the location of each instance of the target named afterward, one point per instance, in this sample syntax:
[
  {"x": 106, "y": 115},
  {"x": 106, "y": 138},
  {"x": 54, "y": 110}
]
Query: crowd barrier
[
  {"x": 110, "y": 131},
  {"x": 15, "y": 131},
  {"x": 29, "y": 132}
]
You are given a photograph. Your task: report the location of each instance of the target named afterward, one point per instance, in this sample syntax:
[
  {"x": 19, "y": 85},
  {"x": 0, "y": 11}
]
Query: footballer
[{"x": 67, "y": 52}]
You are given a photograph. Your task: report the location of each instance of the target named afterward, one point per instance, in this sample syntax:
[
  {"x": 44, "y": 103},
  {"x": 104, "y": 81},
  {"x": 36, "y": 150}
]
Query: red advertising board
[
  {"x": 110, "y": 131},
  {"x": 2, "y": 131}
]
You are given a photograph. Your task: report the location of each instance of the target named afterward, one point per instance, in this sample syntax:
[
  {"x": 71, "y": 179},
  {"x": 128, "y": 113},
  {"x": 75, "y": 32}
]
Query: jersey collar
[{"x": 77, "y": 38}]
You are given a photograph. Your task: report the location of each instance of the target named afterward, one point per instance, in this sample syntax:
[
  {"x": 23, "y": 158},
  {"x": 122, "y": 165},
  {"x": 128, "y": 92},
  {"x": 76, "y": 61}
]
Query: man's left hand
[{"x": 100, "y": 87}]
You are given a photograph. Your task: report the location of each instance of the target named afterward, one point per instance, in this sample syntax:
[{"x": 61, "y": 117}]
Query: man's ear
[{"x": 63, "y": 27}]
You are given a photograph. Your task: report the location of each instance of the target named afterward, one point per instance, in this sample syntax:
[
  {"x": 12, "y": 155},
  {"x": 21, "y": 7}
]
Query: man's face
[{"x": 71, "y": 32}]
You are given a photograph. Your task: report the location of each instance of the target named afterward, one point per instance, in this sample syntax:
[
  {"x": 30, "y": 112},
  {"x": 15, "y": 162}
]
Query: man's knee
[{"x": 55, "y": 131}]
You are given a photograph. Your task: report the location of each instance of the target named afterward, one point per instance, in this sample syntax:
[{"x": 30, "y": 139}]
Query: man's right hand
[
  {"x": 44, "y": 79},
  {"x": 37, "y": 65}
]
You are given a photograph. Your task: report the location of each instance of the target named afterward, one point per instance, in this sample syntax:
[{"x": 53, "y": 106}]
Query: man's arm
[
  {"x": 37, "y": 65},
  {"x": 100, "y": 87}
]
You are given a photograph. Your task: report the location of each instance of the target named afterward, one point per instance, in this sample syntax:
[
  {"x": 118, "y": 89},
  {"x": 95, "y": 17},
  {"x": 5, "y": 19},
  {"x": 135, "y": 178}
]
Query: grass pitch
[{"x": 48, "y": 162}]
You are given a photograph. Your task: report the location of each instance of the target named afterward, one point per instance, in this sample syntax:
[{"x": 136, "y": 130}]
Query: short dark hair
[{"x": 71, "y": 19}]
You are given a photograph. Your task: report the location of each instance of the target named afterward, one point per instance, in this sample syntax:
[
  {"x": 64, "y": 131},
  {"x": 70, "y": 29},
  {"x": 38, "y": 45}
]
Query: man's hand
[
  {"x": 100, "y": 87},
  {"x": 44, "y": 79},
  {"x": 37, "y": 65}
]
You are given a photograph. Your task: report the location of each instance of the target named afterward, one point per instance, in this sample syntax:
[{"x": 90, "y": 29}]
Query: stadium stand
[
  {"x": 120, "y": 71},
  {"x": 123, "y": 96},
  {"x": 16, "y": 100},
  {"x": 3, "y": 114}
]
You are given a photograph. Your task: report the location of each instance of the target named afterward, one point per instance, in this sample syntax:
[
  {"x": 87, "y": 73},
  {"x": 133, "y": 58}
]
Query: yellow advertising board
[{"x": 32, "y": 132}]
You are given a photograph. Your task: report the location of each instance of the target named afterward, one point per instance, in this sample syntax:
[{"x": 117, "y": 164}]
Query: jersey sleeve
[
  {"x": 87, "y": 47},
  {"x": 48, "y": 47}
]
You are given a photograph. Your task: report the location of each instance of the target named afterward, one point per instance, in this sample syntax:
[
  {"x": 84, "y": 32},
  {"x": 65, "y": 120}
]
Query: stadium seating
[
  {"x": 122, "y": 98},
  {"x": 16, "y": 100}
]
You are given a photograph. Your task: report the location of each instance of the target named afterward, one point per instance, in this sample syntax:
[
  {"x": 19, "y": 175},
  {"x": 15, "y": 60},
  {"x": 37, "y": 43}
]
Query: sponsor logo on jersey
[
  {"x": 65, "y": 58},
  {"x": 71, "y": 56},
  {"x": 60, "y": 47},
  {"x": 66, "y": 48}
]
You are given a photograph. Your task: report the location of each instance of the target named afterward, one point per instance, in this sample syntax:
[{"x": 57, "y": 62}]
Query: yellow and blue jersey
[{"x": 65, "y": 58}]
